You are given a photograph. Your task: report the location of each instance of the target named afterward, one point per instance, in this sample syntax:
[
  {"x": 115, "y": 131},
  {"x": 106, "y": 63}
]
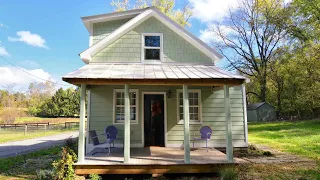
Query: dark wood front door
[{"x": 153, "y": 120}]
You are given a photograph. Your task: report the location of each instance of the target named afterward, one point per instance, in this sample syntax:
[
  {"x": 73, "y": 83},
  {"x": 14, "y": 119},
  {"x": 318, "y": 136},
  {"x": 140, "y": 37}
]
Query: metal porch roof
[{"x": 149, "y": 72}]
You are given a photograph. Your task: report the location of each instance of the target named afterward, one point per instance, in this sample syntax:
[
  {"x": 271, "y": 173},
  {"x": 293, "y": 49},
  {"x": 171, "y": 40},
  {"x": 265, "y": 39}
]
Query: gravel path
[{"x": 10, "y": 149}]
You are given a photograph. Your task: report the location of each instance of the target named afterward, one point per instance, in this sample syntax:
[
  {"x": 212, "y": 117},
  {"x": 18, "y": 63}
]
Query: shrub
[
  {"x": 64, "y": 166},
  {"x": 228, "y": 174},
  {"x": 45, "y": 174},
  {"x": 95, "y": 177},
  {"x": 72, "y": 144},
  {"x": 267, "y": 153}
]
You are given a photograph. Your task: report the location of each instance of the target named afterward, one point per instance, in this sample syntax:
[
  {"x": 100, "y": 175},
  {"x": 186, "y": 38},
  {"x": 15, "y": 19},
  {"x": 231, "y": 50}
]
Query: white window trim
[
  {"x": 143, "y": 47},
  {"x": 114, "y": 106},
  {"x": 199, "y": 103}
]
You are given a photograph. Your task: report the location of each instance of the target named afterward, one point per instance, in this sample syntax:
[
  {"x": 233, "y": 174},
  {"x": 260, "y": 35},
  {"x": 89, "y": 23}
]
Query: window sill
[
  {"x": 190, "y": 122},
  {"x": 122, "y": 122}
]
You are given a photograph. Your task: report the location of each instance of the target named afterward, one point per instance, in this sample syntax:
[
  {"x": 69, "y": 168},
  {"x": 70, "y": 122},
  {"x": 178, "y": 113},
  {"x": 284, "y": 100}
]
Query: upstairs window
[{"x": 151, "y": 47}]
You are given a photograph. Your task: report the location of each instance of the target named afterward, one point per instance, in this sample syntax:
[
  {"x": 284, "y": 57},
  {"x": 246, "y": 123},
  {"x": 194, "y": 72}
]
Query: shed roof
[
  {"x": 254, "y": 106},
  {"x": 152, "y": 74}
]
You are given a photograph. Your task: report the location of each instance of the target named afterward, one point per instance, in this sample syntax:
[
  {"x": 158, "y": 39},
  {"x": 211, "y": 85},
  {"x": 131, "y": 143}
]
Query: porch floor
[
  {"x": 157, "y": 155},
  {"x": 154, "y": 160}
]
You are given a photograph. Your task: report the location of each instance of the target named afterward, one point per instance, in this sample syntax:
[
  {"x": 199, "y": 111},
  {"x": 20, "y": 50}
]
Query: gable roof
[
  {"x": 140, "y": 16},
  {"x": 254, "y": 106}
]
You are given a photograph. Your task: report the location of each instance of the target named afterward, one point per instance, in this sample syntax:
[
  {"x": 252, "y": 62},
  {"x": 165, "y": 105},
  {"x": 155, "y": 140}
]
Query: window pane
[
  {"x": 191, "y": 110},
  {"x": 152, "y": 41},
  {"x": 195, "y": 101},
  {"x": 152, "y": 54},
  {"x": 132, "y": 117},
  {"x": 196, "y": 117},
  {"x": 191, "y": 117},
  {"x": 132, "y": 101},
  {"x": 195, "y": 95},
  {"x": 181, "y": 116},
  {"x": 181, "y": 110},
  {"x": 195, "y": 109},
  {"x": 132, "y": 110},
  {"x": 181, "y": 102},
  {"x": 190, "y": 95}
]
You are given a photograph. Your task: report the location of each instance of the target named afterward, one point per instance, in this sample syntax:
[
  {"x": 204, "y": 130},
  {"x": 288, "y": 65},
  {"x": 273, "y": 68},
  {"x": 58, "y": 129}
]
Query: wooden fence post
[
  {"x": 45, "y": 128},
  {"x": 25, "y": 129}
]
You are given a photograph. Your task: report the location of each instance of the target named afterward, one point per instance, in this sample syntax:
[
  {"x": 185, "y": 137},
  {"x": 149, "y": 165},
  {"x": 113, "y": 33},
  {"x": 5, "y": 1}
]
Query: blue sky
[{"x": 45, "y": 37}]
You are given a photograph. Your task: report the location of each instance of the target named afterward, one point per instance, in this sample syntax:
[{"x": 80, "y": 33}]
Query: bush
[
  {"x": 63, "y": 167},
  {"x": 95, "y": 177},
  {"x": 45, "y": 174},
  {"x": 267, "y": 153},
  {"x": 72, "y": 144},
  {"x": 228, "y": 174}
]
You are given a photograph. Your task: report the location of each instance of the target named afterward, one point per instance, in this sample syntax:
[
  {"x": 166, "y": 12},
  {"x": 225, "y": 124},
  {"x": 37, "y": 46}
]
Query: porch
[
  {"x": 154, "y": 160},
  {"x": 160, "y": 79}
]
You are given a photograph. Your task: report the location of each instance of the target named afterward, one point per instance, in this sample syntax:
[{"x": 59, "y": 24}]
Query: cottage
[{"x": 158, "y": 85}]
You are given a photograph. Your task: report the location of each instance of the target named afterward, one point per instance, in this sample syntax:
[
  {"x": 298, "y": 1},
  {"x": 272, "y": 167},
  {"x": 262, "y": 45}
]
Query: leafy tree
[
  {"x": 166, "y": 6},
  {"x": 249, "y": 37}
]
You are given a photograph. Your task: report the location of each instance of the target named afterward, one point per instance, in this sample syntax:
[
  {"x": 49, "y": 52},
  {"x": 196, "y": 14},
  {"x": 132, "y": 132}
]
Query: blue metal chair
[
  {"x": 95, "y": 140},
  {"x": 111, "y": 134},
  {"x": 205, "y": 134}
]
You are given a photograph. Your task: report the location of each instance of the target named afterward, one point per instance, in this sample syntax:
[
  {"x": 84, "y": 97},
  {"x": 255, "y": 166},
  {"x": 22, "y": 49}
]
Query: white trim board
[
  {"x": 91, "y": 147},
  {"x": 210, "y": 144},
  {"x": 165, "y": 115},
  {"x": 86, "y": 55}
]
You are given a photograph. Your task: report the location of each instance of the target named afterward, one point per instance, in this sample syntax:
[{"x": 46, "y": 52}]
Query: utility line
[{"x": 32, "y": 74}]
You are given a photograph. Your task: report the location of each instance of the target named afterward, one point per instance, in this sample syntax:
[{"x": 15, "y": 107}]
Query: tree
[
  {"x": 38, "y": 93},
  {"x": 249, "y": 37},
  {"x": 306, "y": 18},
  {"x": 166, "y": 6}
]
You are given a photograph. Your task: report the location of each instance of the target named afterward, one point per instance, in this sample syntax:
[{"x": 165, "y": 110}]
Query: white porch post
[
  {"x": 186, "y": 119},
  {"x": 229, "y": 147},
  {"x": 81, "y": 141},
  {"x": 126, "y": 124}
]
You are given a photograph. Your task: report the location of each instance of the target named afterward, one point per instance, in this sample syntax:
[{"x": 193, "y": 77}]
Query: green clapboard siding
[
  {"x": 103, "y": 29},
  {"x": 128, "y": 47},
  {"x": 101, "y": 114}
]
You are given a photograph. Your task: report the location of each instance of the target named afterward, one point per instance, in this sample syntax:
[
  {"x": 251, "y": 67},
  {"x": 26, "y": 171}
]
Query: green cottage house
[{"x": 158, "y": 85}]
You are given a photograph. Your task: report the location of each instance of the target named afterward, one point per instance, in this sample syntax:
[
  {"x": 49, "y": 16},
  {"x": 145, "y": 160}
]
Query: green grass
[
  {"x": 26, "y": 166},
  {"x": 11, "y": 135},
  {"x": 299, "y": 137}
]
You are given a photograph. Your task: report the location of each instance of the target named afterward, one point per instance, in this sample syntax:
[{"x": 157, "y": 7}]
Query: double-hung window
[
  {"x": 194, "y": 106},
  {"x": 118, "y": 106},
  {"x": 152, "y": 47}
]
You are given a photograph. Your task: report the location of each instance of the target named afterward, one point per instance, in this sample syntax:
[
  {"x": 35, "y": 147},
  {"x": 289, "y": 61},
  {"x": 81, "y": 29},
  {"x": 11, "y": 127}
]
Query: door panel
[{"x": 154, "y": 120}]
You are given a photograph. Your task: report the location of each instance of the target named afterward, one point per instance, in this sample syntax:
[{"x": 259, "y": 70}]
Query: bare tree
[{"x": 249, "y": 36}]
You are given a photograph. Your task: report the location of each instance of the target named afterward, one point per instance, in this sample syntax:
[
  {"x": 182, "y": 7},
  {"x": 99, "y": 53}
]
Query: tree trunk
[{"x": 263, "y": 89}]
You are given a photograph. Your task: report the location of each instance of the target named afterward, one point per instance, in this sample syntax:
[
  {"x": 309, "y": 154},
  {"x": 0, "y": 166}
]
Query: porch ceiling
[{"x": 153, "y": 74}]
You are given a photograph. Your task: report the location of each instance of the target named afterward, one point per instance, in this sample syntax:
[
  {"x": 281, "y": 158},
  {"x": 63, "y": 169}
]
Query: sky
[{"x": 44, "y": 38}]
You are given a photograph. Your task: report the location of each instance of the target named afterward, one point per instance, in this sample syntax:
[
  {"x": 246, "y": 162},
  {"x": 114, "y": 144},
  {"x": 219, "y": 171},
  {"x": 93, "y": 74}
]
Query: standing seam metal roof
[{"x": 151, "y": 71}]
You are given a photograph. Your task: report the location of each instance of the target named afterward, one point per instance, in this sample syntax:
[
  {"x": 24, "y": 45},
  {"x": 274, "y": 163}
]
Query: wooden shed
[{"x": 261, "y": 112}]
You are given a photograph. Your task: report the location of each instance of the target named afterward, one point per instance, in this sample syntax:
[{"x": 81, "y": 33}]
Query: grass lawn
[
  {"x": 30, "y": 119},
  {"x": 11, "y": 135},
  {"x": 26, "y": 166},
  {"x": 298, "y": 137}
]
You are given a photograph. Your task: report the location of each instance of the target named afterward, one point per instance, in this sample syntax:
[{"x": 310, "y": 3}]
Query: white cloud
[
  {"x": 12, "y": 75},
  {"x": 28, "y": 64},
  {"x": 3, "y": 51},
  {"x": 209, "y": 36},
  {"x": 211, "y": 10},
  {"x": 30, "y": 39}
]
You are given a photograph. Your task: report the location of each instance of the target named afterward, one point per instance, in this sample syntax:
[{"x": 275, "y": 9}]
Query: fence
[{"x": 36, "y": 127}]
